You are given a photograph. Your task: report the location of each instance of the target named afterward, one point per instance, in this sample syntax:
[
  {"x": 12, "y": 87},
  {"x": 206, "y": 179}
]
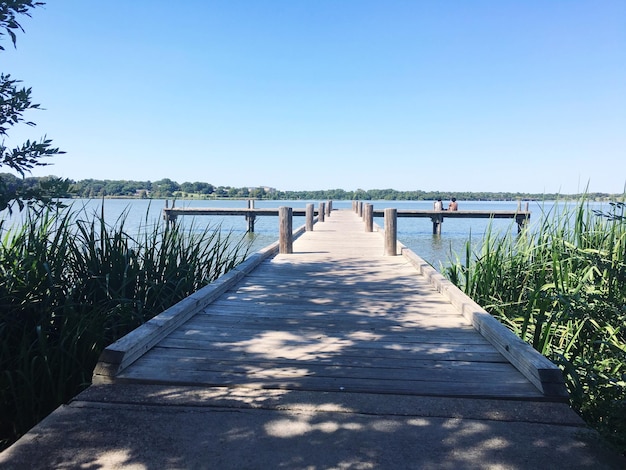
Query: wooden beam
[{"x": 545, "y": 375}]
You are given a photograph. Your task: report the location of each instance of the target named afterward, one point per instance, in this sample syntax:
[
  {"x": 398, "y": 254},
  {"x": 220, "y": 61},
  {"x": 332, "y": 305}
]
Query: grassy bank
[
  {"x": 70, "y": 285},
  {"x": 562, "y": 288}
]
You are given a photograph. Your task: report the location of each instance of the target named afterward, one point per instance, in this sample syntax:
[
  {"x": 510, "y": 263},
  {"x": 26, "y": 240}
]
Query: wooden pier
[
  {"x": 364, "y": 209},
  {"x": 337, "y": 312},
  {"x": 522, "y": 217},
  {"x": 340, "y": 353}
]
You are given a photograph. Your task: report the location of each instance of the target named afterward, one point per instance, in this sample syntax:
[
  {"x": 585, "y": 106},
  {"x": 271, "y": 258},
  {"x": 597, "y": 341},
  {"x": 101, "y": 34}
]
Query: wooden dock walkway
[
  {"x": 335, "y": 315},
  {"x": 334, "y": 356}
]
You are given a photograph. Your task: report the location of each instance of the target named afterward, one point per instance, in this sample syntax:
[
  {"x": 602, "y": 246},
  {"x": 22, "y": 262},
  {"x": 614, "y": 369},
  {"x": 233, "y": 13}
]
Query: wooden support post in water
[
  {"x": 309, "y": 217},
  {"x": 170, "y": 219},
  {"x": 391, "y": 232},
  {"x": 321, "y": 211},
  {"x": 521, "y": 220},
  {"x": 437, "y": 222},
  {"x": 250, "y": 217},
  {"x": 285, "y": 232},
  {"x": 369, "y": 217}
]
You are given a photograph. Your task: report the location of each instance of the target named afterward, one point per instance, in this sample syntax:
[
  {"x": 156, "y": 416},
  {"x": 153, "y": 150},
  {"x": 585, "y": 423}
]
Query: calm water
[{"x": 414, "y": 233}]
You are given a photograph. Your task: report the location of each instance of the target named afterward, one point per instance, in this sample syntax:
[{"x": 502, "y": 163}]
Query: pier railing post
[
  {"x": 321, "y": 212},
  {"x": 391, "y": 232},
  {"x": 329, "y": 206},
  {"x": 285, "y": 232},
  {"x": 369, "y": 217},
  {"x": 309, "y": 217},
  {"x": 360, "y": 208}
]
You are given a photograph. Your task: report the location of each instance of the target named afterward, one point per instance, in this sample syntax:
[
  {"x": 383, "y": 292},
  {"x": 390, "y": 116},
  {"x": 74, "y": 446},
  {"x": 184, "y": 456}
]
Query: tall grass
[
  {"x": 562, "y": 288},
  {"x": 70, "y": 285}
]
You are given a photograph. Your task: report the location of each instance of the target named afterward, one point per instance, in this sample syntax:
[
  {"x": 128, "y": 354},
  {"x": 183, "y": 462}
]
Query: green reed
[
  {"x": 71, "y": 284},
  {"x": 561, "y": 287}
]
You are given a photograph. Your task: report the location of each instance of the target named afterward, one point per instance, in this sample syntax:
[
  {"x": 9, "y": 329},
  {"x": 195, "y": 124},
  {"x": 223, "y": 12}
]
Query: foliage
[
  {"x": 16, "y": 100},
  {"x": 166, "y": 188},
  {"x": 71, "y": 285},
  {"x": 562, "y": 288},
  {"x": 8, "y": 11}
]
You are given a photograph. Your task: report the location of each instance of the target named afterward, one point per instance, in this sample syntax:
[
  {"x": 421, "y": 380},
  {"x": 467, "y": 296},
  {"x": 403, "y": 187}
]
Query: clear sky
[{"x": 480, "y": 95}]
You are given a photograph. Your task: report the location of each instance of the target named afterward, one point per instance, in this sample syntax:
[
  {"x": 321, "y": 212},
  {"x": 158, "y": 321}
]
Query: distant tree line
[{"x": 166, "y": 188}]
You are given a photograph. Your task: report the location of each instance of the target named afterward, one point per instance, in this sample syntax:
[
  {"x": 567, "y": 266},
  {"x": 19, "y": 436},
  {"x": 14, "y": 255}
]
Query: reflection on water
[{"x": 416, "y": 233}]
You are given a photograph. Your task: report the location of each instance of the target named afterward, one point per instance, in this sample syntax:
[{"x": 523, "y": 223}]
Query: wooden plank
[
  {"x": 320, "y": 342},
  {"x": 412, "y": 330},
  {"x": 304, "y": 333},
  {"x": 478, "y": 389},
  {"x": 408, "y": 353},
  {"x": 372, "y": 358},
  {"x": 429, "y": 370}
]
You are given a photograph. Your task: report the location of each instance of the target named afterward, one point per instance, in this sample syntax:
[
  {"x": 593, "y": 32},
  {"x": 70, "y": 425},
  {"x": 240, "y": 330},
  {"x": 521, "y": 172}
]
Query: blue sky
[{"x": 490, "y": 95}]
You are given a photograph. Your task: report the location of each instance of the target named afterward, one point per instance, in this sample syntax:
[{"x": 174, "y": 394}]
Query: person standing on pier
[{"x": 453, "y": 206}]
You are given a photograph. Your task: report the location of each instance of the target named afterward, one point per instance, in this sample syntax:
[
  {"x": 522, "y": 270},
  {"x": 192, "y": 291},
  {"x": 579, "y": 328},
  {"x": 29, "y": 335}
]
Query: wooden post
[
  {"x": 437, "y": 222},
  {"x": 369, "y": 217},
  {"x": 522, "y": 221},
  {"x": 169, "y": 218},
  {"x": 391, "y": 232},
  {"x": 328, "y": 208},
  {"x": 285, "y": 232},
  {"x": 360, "y": 211},
  {"x": 309, "y": 217},
  {"x": 321, "y": 211},
  {"x": 250, "y": 217}
]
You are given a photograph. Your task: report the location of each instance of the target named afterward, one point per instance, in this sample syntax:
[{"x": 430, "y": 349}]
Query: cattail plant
[
  {"x": 561, "y": 287},
  {"x": 71, "y": 284}
]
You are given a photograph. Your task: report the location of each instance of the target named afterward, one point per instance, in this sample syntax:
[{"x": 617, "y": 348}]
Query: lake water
[{"x": 416, "y": 233}]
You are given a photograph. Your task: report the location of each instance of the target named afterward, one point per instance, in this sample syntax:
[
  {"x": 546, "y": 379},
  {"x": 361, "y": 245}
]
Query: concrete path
[{"x": 129, "y": 426}]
